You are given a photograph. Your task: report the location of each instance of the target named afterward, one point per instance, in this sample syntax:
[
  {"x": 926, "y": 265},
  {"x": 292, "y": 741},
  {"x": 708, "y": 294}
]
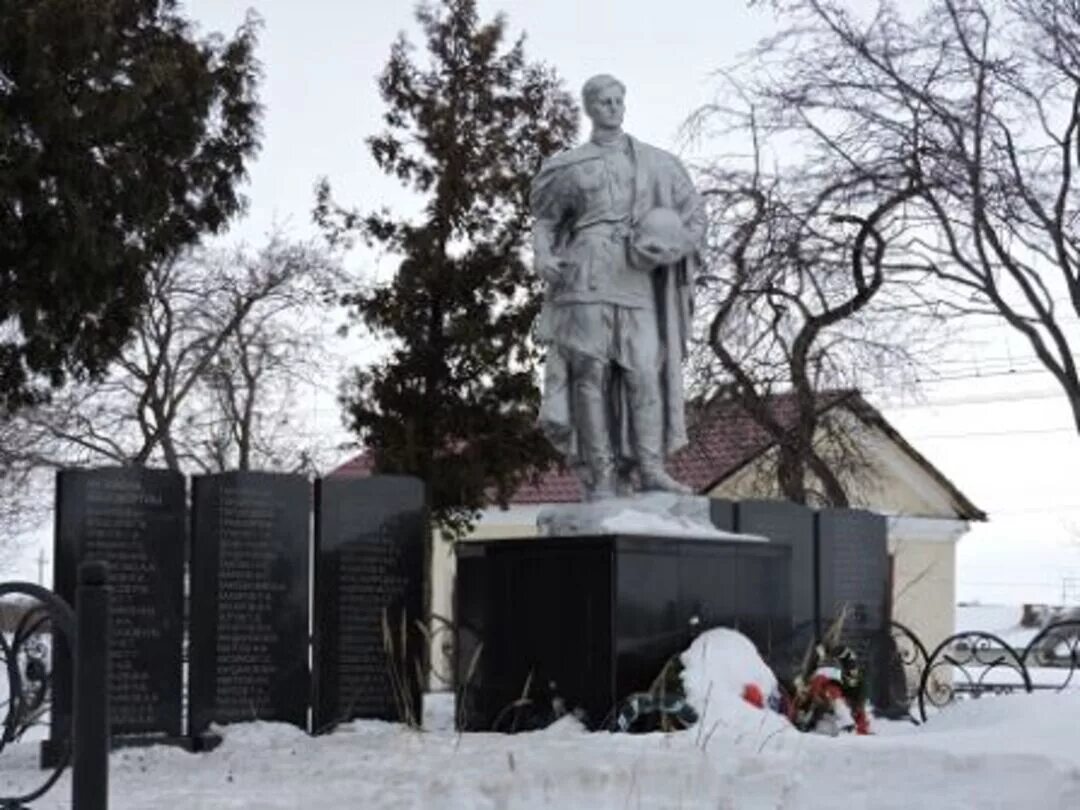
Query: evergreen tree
[
  {"x": 122, "y": 139},
  {"x": 455, "y": 400}
]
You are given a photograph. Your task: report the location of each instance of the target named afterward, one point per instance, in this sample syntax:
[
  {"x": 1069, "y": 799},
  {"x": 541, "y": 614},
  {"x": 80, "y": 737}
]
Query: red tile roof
[{"x": 359, "y": 465}]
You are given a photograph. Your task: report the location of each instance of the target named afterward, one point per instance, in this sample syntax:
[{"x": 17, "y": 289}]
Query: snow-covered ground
[
  {"x": 1007, "y": 752},
  {"x": 1019, "y": 751}
]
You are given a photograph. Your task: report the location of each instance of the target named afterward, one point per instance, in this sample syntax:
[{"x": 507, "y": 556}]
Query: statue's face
[{"x": 606, "y": 107}]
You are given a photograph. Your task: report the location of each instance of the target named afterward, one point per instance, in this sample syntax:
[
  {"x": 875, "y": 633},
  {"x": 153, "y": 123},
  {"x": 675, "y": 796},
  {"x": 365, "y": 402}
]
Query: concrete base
[{"x": 648, "y": 513}]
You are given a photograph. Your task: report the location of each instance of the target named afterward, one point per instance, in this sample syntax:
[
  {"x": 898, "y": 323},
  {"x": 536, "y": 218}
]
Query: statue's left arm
[
  {"x": 691, "y": 209},
  {"x": 690, "y": 205}
]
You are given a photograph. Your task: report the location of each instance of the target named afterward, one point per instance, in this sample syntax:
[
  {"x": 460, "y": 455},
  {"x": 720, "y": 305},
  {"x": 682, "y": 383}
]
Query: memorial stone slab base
[{"x": 592, "y": 619}]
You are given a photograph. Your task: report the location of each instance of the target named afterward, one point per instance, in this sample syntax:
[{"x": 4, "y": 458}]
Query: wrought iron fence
[
  {"x": 975, "y": 663},
  {"x": 43, "y": 620},
  {"x": 44, "y": 624},
  {"x": 1055, "y": 649}
]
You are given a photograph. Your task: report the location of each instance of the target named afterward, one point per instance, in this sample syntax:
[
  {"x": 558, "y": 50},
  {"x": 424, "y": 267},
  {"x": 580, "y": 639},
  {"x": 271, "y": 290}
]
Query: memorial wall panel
[
  {"x": 853, "y": 565},
  {"x": 369, "y": 557},
  {"x": 132, "y": 519},
  {"x": 249, "y": 608},
  {"x": 792, "y": 525}
]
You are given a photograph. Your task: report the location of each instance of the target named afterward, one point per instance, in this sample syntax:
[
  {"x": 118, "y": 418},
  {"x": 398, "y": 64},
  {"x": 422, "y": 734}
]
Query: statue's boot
[
  {"x": 594, "y": 438},
  {"x": 648, "y": 423},
  {"x": 624, "y": 481},
  {"x": 603, "y": 486},
  {"x": 654, "y": 478}
]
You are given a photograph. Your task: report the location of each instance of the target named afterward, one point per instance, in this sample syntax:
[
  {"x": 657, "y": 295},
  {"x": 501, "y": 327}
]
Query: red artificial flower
[
  {"x": 751, "y": 693},
  {"x": 862, "y": 722}
]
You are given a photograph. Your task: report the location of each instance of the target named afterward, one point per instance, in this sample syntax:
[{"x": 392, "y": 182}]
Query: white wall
[{"x": 924, "y": 575}]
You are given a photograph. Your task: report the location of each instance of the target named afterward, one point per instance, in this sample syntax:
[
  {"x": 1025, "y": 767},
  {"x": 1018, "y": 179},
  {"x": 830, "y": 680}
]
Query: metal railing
[
  {"x": 974, "y": 663},
  {"x": 27, "y": 652}
]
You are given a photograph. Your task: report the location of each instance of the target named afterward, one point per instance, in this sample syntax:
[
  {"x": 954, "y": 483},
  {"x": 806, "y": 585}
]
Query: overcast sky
[
  {"x": 322, "y": 57},
  {"x": 1001, "y": 430}
]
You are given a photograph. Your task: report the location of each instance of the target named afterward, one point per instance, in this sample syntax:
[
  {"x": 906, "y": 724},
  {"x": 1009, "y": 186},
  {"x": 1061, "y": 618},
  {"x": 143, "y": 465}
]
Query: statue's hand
[
  {"x": 652, "y": 254},
  {"x": 660, "y": 238}
]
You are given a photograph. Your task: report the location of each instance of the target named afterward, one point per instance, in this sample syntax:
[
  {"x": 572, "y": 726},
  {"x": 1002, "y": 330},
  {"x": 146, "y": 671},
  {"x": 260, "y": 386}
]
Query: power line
[
  {"x": 1007, "y": 584},
  {"x": 1011, "y": 372},
  {"x": 988, "y": 399},
  {"x": 1037, "y": 510},
  {"x": 993, "y": 433},
  {"x": 1064, "y": 323}
]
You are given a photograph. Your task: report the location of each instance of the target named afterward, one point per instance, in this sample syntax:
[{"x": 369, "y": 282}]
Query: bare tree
[
  {"x": 20, "y": 510},
  {"x": 250, "y": 390},
  {"x": 795, "y": 302},
  {"x": 974, "y": 105},
  {"x": 208, "y": 382}
]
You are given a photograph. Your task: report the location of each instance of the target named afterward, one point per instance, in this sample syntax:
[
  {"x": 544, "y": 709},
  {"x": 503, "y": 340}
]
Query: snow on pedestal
[{"x": 655, "y": 514}]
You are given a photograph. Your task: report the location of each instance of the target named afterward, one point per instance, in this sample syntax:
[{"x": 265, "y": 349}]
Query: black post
[{"x": 90, "y": 773}]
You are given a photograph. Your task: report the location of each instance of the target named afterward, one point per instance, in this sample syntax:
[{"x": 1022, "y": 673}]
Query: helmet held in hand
[{"x": 660, "y": 238}]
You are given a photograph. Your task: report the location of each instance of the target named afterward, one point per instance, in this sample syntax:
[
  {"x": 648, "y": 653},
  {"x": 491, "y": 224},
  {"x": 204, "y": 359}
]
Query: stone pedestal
[{"x": 591, "y": 619}]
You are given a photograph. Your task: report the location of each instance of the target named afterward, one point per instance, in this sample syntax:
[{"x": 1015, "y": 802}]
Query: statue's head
[{"x": 603, "y": 97}]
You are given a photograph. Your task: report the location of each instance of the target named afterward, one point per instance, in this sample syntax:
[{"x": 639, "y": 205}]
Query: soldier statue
[{"x": 617, "y": 241}]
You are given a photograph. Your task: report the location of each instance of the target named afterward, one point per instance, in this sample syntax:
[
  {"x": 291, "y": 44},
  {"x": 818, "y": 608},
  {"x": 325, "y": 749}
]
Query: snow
[
  {"x": 717, "y": 667},
  {"x": 1002, "y": 621},
  {"x": 634, "y": 521},
  {"x": 649, "y": 513},
  {"x": 1017, "y": 751}
]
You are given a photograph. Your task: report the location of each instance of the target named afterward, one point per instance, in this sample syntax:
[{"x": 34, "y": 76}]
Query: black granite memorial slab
[
  {"x": 249, "y": 599},
  {"x": 594, "y": 619},
  {"x": 722, "y": 513},
  {"x": 369, "y": 560},
  {"x": 762, "y": 595},
  {"x": 132, "y": 519},
  {"x": 853, "y": 569},
  {"x": 792, "y": 525}
]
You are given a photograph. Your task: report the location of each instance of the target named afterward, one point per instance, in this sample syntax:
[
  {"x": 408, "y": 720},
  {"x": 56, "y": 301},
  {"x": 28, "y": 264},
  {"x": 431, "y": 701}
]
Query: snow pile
[{"x": 717, "y": 668}]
